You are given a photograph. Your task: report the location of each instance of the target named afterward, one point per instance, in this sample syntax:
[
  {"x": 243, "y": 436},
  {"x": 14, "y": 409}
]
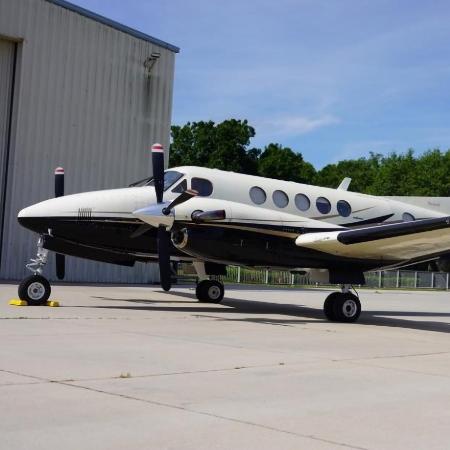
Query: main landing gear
[
  {"x": 207, "y": 291},
  {"x": 36, "y": 289},
  {"x": 342, "y": 306}
]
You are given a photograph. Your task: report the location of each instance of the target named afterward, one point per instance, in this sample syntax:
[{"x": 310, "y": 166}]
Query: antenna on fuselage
[{"x": 345, "y": 183}]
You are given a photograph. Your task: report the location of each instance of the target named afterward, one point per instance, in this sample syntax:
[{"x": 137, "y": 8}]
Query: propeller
[
  {"x": 163, "y": 236},
  {"x": 183, "y": 197},
  {"x": 59, "y": 192}
]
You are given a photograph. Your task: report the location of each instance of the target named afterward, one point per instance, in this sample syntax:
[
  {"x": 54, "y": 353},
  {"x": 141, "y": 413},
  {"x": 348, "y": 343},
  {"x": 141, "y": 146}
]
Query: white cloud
[{"x": 296, "y": 125}]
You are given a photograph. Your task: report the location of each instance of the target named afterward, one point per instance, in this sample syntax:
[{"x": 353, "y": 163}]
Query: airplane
[{"x": 215, "y": 218}]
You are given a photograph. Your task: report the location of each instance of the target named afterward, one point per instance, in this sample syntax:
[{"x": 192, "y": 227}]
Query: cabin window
[
  {"x": 280, "y": 199},
  {"x": 181, "y": 187},
  {"x": 344, "y": 208},
  {"x": 202, "y": 186},
  {"x": 302, "y": 202},
  {"x": 407, "y": 217},
  {"x": 323, "y": 205},
  {"x": 258, "y": 195}
]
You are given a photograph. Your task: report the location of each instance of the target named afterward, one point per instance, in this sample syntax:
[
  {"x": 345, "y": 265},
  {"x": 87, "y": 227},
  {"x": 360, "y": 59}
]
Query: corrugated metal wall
[
  {"x": 7, "y": 60},
  {"x": 83, "y": 101}
]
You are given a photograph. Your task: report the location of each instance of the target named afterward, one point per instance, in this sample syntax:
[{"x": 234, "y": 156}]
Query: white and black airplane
[{"x": 215, "y": 218}]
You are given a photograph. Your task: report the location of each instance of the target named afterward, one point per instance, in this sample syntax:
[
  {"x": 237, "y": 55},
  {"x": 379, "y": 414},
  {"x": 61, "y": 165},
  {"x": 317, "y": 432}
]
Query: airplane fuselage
[{"x": 264, "y": 216}]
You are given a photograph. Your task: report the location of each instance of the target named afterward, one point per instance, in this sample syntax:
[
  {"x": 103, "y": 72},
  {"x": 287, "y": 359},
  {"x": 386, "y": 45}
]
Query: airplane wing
[{"x": 398, "y": 241}]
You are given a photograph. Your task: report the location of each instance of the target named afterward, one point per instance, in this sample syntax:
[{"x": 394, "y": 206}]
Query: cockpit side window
[
  {"x": 181, "y": 187},
  {"x": 170, "y": 177},
  {"x": 202, "y": 186}
]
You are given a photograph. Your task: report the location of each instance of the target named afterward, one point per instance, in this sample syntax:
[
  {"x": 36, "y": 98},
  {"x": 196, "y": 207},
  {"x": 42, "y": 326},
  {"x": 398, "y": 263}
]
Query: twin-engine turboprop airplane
[{"x": 215, "y": 218}]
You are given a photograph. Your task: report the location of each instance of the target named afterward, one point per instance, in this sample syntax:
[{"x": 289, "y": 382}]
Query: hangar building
[{"x": 83, "y": 92}]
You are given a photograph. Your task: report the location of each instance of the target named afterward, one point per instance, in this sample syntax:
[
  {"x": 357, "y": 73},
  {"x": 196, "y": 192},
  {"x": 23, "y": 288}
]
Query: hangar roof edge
[{"x": 112, "y": 23}]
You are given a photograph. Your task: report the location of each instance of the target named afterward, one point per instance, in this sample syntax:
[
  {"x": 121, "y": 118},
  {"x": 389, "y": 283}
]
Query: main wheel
[
  {"x": 35, "y": 290},
  {"x": 210, "y": 291},
  {"x": 346, "y": 307},
  {"x": 328, "y": 306}
]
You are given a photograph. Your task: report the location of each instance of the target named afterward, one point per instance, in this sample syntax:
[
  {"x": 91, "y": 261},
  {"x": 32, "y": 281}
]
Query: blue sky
[{"x": 330, "y": 79}]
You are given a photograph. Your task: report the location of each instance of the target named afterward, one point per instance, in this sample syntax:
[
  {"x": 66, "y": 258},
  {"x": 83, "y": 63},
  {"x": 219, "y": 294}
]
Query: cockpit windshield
[{"x": 170, "y": 177}]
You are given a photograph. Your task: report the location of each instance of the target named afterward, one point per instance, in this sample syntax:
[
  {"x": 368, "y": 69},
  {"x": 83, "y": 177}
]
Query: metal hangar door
[{"x": 8, "y": 51}]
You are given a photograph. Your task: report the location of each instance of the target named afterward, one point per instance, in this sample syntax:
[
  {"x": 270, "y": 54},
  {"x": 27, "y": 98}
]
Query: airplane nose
[
  {"x": 37, "y": 217},
  {"x": 30, "y": 219}
]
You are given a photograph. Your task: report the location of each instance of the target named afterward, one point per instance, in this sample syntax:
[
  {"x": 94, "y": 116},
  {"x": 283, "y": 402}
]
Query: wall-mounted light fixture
[{"x": 150, "y": 62}]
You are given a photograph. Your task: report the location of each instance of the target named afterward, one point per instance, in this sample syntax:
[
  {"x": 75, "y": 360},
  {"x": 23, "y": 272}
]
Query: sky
[{"x": 331, "y": 79}]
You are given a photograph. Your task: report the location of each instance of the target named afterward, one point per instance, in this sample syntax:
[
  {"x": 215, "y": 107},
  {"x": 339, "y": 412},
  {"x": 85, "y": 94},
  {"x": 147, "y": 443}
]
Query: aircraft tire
[
  {"x": 346, "y": 307},
  {"x": 210, "y": 291},
  {"x": 35, "y": 290},
  {"x": 328, "y": 306}
]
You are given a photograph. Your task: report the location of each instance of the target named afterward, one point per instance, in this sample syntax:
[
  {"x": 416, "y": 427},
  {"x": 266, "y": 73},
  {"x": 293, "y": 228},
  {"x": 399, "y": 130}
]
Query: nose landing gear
[
  {"x": 342, "y": 306},
  {"x": 36, "y": 289}
]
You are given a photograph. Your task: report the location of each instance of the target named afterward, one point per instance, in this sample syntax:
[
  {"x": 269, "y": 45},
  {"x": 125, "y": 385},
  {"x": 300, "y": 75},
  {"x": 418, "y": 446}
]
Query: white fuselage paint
[{"x": 232, "y": 187}]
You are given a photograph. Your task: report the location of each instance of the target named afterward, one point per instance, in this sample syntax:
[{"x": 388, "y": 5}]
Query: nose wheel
[
  {"x": 35, "y": 290},
  {"x": 342, "y": 307},
  {"x": 210, "y": 291}
]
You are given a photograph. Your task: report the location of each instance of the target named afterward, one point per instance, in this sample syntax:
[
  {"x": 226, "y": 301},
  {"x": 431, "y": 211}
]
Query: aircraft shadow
[{"x": 297, "y": 314}]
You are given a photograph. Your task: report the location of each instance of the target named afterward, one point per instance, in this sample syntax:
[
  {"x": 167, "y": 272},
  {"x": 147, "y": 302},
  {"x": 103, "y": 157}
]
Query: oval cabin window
[
  {"x": 302, "y": 202},
  {"x": 257, "y": 195},
  {"x": 280, "y": 199},
  {"x": 344, "y": 208},
  {"x": 323, "y": 205}
]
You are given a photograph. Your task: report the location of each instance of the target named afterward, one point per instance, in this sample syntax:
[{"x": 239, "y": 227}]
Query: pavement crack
[
  {"x": 182, "y": 372},
  {"x": 209, "y": 414},
  {"x": 409, "y": 355}
]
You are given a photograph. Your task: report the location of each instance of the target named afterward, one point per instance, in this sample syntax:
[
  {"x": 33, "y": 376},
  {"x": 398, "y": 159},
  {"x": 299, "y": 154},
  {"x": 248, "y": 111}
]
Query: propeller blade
[
  {"x": 140, "y": 230},
  {"x": 59, "y": 182},
  {"x": 158, "y": 170},
  {"x": 183, "y": 197},
  {"x": 164, "y": 258},
  {"x": 59, "y": 192},
  {"x": 206, "y": 216},
  {"x": 60, "y": 266}
]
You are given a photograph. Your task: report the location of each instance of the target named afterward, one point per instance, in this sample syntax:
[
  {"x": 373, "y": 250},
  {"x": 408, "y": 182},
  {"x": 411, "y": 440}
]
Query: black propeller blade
[
  {"x": 183, "y": 197},
  {"x": 158, "y": 170},
  {"x": 206, "y": 216},
  {"x": 59, "y": 192},
  {"x": 164, "y": 258},
  {"x": 163, "y": 237}
]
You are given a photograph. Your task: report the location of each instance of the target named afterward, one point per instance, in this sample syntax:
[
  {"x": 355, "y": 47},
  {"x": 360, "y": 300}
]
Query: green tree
[
  {"x": 397, "y": 175},
  {"x": 362, "y": 171},
  {"x": 284, "y": 164},
  {"x": 433, "y": 174},
  {"x": 221, "y": 146}
]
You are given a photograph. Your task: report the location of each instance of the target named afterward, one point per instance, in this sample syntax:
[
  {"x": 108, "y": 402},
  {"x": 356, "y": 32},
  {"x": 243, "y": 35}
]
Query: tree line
[{"x": 226, "y": 146}]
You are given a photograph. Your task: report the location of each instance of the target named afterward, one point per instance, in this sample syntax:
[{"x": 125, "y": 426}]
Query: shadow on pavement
[{"x": 298, "y": 314}]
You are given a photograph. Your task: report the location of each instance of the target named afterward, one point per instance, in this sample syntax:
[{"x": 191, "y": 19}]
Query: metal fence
[{"x": 380, "y": 279}]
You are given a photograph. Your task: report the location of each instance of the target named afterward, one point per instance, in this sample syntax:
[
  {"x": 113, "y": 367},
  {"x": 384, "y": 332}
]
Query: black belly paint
[
  {"x": 234, "y": 246},
  {"x": 104, "y": 239}
]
